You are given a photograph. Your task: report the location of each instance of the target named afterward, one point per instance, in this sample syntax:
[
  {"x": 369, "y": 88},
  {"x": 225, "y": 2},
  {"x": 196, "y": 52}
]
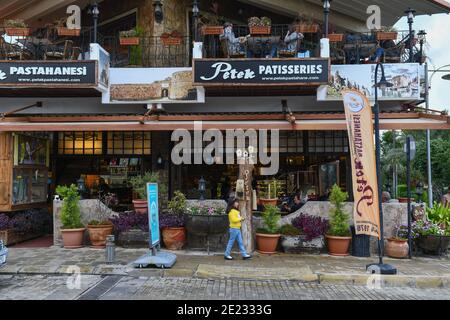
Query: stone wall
[{"x": 90, "y": 210}]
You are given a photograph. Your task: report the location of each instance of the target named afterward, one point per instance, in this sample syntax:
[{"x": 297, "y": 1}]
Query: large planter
[
  {"x": 267, "y": 243},
  {"x": 98, "y": 234},
  {"x": 265, "y": 202},
  {"x": 72, "y": 238},
  {"x": 338, "y": 246},
  {"x": 204, "y": 225},
  {"x": 260, "y": 30},
  {"x": 174, "y": 238},
  {"x": 336, "y": 37},
  {"x": 62, "y": 31},
  {"x": 397, "y": 248},
  {"x": 434, "y": 244},
  {"x": 130, "y": 41},
  {"x": 299, "y": 244},
  {"x": 18, "y": 32},
  {"x": 11, "y": 237},
  {"x": 212, "y": 30},
  {"x": 140, "y": 206},
  {"x": 134, "y": 238},
  {"x": 308, "y": 28},
  {"x": 381, "y": 35}
]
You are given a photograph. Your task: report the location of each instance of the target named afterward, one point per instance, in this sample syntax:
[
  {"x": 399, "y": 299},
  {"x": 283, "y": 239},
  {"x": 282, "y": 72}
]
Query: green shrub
[
  {"x": 439, "y": 214},
  {"x": 178, "y": 203},
  {"x": 139, "y": 183},
  {"x": 339, "y": 220},
  {"x": 70, "y": 211},
  {"x": 289, "y": 230},
  {"x": 271, "y": 216}
]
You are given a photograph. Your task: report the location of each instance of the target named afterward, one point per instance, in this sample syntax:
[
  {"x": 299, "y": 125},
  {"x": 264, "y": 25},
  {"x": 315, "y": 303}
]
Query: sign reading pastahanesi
[
  {"x": 48, "y": 73},
  {"x": 256, "y": 72},
  {"x": 366, "y": 212}
]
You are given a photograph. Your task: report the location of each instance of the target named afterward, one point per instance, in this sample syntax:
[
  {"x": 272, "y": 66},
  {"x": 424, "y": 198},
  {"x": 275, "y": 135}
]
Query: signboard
[
  {"x": 257, "y": 72},
  {"x": 405, "y": 78},
  {"x": 103, "y": 58},
  {"x": 47, "y": 74},
  {"x": 151, "y": 86},
  {"x": 153, "y": 213},
  {"x": 366, "y": 211}
]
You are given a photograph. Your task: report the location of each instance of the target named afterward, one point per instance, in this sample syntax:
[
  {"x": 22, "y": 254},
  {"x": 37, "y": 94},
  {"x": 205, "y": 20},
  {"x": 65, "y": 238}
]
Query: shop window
[
  {"x": 80, "y": 143},
  {"x": 291, "y": 142},
  {"x": 138, "y": 143},
  {"x": 328, "y": 142}
]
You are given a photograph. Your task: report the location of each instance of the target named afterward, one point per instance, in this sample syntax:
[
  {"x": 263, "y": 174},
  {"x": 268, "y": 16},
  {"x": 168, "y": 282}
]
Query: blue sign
[{"x": 153, "y": 213}]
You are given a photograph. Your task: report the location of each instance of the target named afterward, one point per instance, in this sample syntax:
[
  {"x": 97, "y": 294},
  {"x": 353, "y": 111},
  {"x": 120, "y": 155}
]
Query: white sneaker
[{"x": 228, "y": 257}]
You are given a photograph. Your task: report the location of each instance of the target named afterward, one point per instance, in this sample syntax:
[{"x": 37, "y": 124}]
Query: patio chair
[
  {"x": 394, "y": 54},
  {"x": 228, "y": 53},
  {"x": 337, "y": 55},
  {"x": 59, "y": 51},
  {"x": 12, "y": 51}
]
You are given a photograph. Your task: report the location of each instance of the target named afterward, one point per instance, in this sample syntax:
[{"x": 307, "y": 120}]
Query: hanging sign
[
  {"x": 257, "y": 72},
  {"x": 153, "y": 213},
  {"x": 366, "y": 212}
]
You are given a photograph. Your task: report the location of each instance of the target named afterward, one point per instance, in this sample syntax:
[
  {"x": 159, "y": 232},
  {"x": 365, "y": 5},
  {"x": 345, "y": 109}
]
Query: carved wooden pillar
[{"x": 245, "y": 205}]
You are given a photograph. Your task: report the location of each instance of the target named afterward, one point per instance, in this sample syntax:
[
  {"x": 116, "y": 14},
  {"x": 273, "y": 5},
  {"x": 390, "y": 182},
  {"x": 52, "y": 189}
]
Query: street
[{"x": 116, "y": 287}]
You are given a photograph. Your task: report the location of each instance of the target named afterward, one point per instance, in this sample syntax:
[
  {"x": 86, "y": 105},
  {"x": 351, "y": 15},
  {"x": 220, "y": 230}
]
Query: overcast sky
[{"x": 438, "y": 51}]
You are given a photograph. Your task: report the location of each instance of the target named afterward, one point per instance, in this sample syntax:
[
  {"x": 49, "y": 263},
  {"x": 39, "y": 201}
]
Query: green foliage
[
  {"x": 271, "y": 216},
  {"x": 70, "y": 211},
  {"x": 339, "y": 220},
  {"x": 289, "y": 230},
  {"x": 100, "y": 223},
  {"x": 402, "y": 192},
  {"x": 178, "y": 203},
  {"x": 139, "y": 183},
  {"x": 439, "y": 214},
  {"x": 15, "y": 23}
]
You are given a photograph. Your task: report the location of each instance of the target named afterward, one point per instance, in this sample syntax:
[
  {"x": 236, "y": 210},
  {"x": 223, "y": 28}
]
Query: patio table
[
  {"x": 262, "y": 44},
  {"x": 36, "y": 46}
]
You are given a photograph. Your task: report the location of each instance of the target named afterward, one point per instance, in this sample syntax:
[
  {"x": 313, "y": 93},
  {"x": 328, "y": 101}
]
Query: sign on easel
[{"x": 153, "y": 214}]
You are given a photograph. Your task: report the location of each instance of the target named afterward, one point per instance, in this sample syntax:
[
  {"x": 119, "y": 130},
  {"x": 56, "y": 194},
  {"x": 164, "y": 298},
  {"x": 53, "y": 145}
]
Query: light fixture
[
  {"x": 158, "y": 11},
  {"x": 419, "y": 191},
  {"x": 326, "y": 12},
  {"x": 410, "y": 14},
  {"x": 195, "y": 9},
  {"x": 202, "y": 188},
  {"x": 160, "y": 161},
  {"x": 422, "y": 36},
  {"x": 446, "y": 77},
  {"x": 94, "y": 12},
  {"x": 326, "y": 4}
]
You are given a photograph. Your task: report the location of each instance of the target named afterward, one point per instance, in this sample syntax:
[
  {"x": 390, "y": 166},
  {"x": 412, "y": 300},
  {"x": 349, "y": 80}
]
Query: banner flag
[{"x": 366, "y": 212}]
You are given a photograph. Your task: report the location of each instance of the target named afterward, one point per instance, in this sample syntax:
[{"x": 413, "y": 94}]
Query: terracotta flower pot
[
  {"x": 18, "y": 32},
  {"x": 265, "y": 202},
  {"x": 267, "y": 243},
  {"x": 405, "y": 200},
  {"x": 174, "y": 238},
  {"x": 68, "y": 32},
  {"x": 131, "y": 41},
  {"x": 72, "y": 238},
  {"x": 212, "y": 30},
  {"x": 384, "y": 35},
  {"x": 98, "y": 234},
  {"x": 336, "y": 37},
  {"x": 338, "y": 246},
  {"x": 263, "y": 30},
  {"x": 397, "y": 248},
  {"x": 140, "y": 206}
]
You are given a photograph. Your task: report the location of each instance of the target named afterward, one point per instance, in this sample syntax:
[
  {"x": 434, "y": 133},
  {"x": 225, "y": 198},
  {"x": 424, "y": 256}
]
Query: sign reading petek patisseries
[
  {"x": 48, "y": 73},
  {"x": 261, "y": 72}
]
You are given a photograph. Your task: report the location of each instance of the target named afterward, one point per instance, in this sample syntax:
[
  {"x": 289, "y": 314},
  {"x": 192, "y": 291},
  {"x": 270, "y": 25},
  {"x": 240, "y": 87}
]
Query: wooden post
[{"x": 245, "y": 205}]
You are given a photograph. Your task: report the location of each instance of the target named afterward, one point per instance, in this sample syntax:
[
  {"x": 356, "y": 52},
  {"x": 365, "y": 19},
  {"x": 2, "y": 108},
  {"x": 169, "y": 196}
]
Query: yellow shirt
[{"x": 235, "y": 219}]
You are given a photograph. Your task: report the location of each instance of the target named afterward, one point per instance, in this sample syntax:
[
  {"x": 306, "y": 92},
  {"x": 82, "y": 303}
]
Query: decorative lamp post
[
  {"x": 380, "y": 268},
  {"x": 160, "y": 162},
  {"x": 81, "y": 187},
  {"x": 422, "y": 39},
  {"x": 202, "y": 188},
  {"x": 410, "y": 15},
  {"x": 195, "y": 14},
  {"x": 158, "y": 11},
  {"x": 326, "y": 12},
  {"x": 94, "y": 12}
]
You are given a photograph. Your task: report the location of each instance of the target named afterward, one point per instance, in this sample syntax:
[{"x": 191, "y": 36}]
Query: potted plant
[
  {"x": 312, "y": 231},
  {"x": 338, "y": 235},
  {"x": 434, "y": 230},
  {"x": 261, "y": 26},
  {"x": 173, "y": 222},
  {"x": 171, "y": 39},
  {"x": 205, "y": 220},
  {"x": 131, "y": 229},
  {"x": 210, "y": 21},
  {"x": 72, "y": 230},
  {"x": 129, "y": 37},
  {"x": 290, "y": 238},
  {"x": 268, "y": 236},
  {"x": 139, "y": 184},
  {"x": 397, "y": 246},
  {"x": 269, "y": 196},
  {"x": 62, "y": 30},
  {"x": 16, "y": 27},
  {"x": 102, "y": 227},
  {"x": 306, "y": 24},
  {"x": 211, "y": 30},
  {"x": 387, "y": 33},
  {"x": 336, "y": 37}
]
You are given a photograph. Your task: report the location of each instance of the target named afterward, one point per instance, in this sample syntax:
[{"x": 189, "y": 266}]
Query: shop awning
[{"x": 303, "y": 121}]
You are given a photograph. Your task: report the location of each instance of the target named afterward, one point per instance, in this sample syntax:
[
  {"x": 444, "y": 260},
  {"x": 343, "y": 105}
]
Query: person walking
[{"x": 235, "y": 219}]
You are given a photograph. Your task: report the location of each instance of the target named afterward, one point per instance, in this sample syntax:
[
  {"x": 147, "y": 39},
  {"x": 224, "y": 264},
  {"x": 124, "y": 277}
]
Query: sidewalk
[{"x": 418, "y": 272}]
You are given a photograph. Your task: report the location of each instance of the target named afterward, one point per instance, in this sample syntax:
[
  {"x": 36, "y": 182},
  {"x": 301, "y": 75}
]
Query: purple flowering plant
[
  {"x": 126, "y": 221},
  {"x": 311, "y": 226}
]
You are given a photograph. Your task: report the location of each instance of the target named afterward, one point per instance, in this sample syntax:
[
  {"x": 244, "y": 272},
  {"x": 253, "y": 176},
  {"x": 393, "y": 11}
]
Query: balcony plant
[
  {"x": 129, "y": 37},
  {"x": 269, "y": 196},
  {"x": 173, "y": 222},
  {"x": 306, "y": 24},
  {"x": 102, "y": 227},
  {"x": 210, "y": 22},
  {"x": 16, "y": 27},
  {"x": 72, "y": 230},
  {"x": 338, "y": 235},
  {"x": 268, "y": 236},
  {"x": 387, "y": 33},
  {"x": 260, "y": 26},
  {"x": 62, "y": 30},
  {"x": 171, "y": 39},
  {"x": 139, "y": 184}
]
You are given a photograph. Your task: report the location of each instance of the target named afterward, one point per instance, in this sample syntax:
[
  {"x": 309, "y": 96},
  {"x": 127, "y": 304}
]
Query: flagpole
[{"x": 380, "y": 268}]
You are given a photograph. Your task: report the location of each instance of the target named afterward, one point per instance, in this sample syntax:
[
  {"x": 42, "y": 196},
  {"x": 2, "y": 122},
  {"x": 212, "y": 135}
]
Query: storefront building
[{"x": 106, "y": 112}]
